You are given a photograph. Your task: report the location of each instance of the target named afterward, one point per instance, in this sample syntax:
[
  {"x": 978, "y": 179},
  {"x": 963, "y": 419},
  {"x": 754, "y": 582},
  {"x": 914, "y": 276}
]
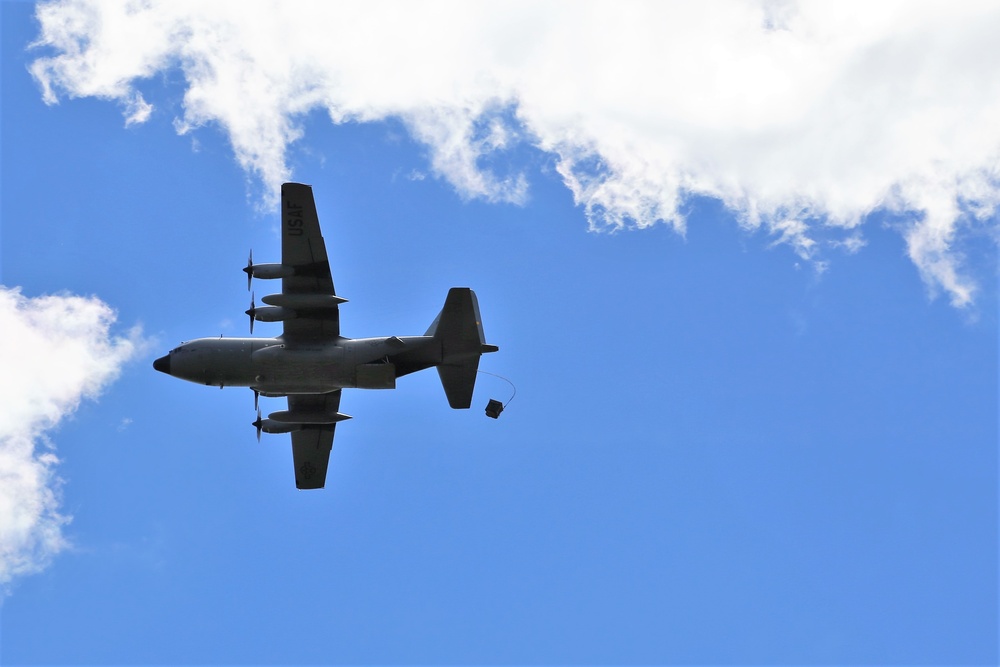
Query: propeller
[
  {"x": 249, "y": 269},
  {"x": 257, "y": 424},
  {"x": 253, "y": 309}
]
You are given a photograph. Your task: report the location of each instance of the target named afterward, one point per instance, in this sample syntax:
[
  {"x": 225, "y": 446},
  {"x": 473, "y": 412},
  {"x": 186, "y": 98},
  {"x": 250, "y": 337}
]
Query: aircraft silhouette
[{"x": 310, "y": 362}]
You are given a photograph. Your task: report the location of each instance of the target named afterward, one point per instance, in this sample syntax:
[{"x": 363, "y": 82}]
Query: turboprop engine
[
  {"x": 266, "y": 271},
  {"x": 283, "y": 307},
  {"x": 285, "y": 421}
]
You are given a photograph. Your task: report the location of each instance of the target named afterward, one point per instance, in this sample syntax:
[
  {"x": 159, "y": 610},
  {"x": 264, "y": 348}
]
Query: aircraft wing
[
  {"x": 311, "y": 445},
  {"x": 303, "y": 249}
]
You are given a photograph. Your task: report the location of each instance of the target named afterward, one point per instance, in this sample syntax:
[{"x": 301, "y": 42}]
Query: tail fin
[{"x": 459, "y": 328}]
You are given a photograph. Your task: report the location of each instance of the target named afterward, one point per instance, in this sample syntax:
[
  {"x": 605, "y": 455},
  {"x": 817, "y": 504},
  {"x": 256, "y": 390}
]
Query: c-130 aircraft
[{"x": 310, "y": 362}]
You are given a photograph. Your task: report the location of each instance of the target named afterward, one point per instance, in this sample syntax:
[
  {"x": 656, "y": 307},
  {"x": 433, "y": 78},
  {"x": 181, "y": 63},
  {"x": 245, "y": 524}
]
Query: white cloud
[
  {"x": 137, "y": 110},
  {"x": 54, "y": 351},
  {"x": 801, "y": 118}
]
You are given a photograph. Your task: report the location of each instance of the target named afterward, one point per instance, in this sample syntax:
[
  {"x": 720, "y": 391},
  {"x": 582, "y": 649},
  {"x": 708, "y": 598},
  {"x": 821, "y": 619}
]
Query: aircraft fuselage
[{"x": 270, "y": 367}]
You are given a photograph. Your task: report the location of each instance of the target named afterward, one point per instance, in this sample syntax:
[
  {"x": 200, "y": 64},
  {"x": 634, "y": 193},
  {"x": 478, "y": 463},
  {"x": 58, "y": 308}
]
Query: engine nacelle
[
  {"x": 273, "y": 314},
  {"x": 273, "y": 426},
  {"x": 271, "y": 271}
]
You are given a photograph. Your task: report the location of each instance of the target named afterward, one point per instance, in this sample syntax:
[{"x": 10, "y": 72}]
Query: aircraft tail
[{"x": 459, "y": 329}]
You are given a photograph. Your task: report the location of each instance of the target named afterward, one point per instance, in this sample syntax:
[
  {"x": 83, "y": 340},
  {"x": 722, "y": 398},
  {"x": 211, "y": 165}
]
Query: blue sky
[{"x": 764, "y": 440}]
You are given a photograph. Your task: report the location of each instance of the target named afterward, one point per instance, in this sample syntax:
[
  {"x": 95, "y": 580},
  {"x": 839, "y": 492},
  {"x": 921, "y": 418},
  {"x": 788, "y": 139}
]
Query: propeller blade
[
  {"x": 257, "y": 424},
  {"x": 249, "y": 269},
  {"x": 256, "y": 400},
  {"x": 252, "y": 311}
]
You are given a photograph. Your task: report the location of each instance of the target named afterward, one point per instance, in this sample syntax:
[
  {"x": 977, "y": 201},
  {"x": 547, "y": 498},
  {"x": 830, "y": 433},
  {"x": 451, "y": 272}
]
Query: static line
[{"x": 505, "y": 380}]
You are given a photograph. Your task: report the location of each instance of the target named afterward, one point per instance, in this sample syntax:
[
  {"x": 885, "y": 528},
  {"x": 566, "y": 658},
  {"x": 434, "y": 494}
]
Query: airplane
[{"x": 310, "y": 362}]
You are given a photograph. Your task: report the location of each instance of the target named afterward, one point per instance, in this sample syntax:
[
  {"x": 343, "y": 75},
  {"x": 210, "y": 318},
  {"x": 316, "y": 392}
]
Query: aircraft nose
[{"x": 163, "y": 364}]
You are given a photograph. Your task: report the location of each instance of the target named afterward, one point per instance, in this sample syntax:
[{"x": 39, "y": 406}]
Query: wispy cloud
[
  {"x": 54, "y": 352},
  {"x": 137, "y": 110},
  {"x": 801, "y": 118}
]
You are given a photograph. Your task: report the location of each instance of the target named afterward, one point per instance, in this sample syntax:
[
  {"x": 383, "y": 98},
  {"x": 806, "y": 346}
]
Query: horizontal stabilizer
[
  {"x": 459, "y": 382},
  {"x": 459, "y": 330}
]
